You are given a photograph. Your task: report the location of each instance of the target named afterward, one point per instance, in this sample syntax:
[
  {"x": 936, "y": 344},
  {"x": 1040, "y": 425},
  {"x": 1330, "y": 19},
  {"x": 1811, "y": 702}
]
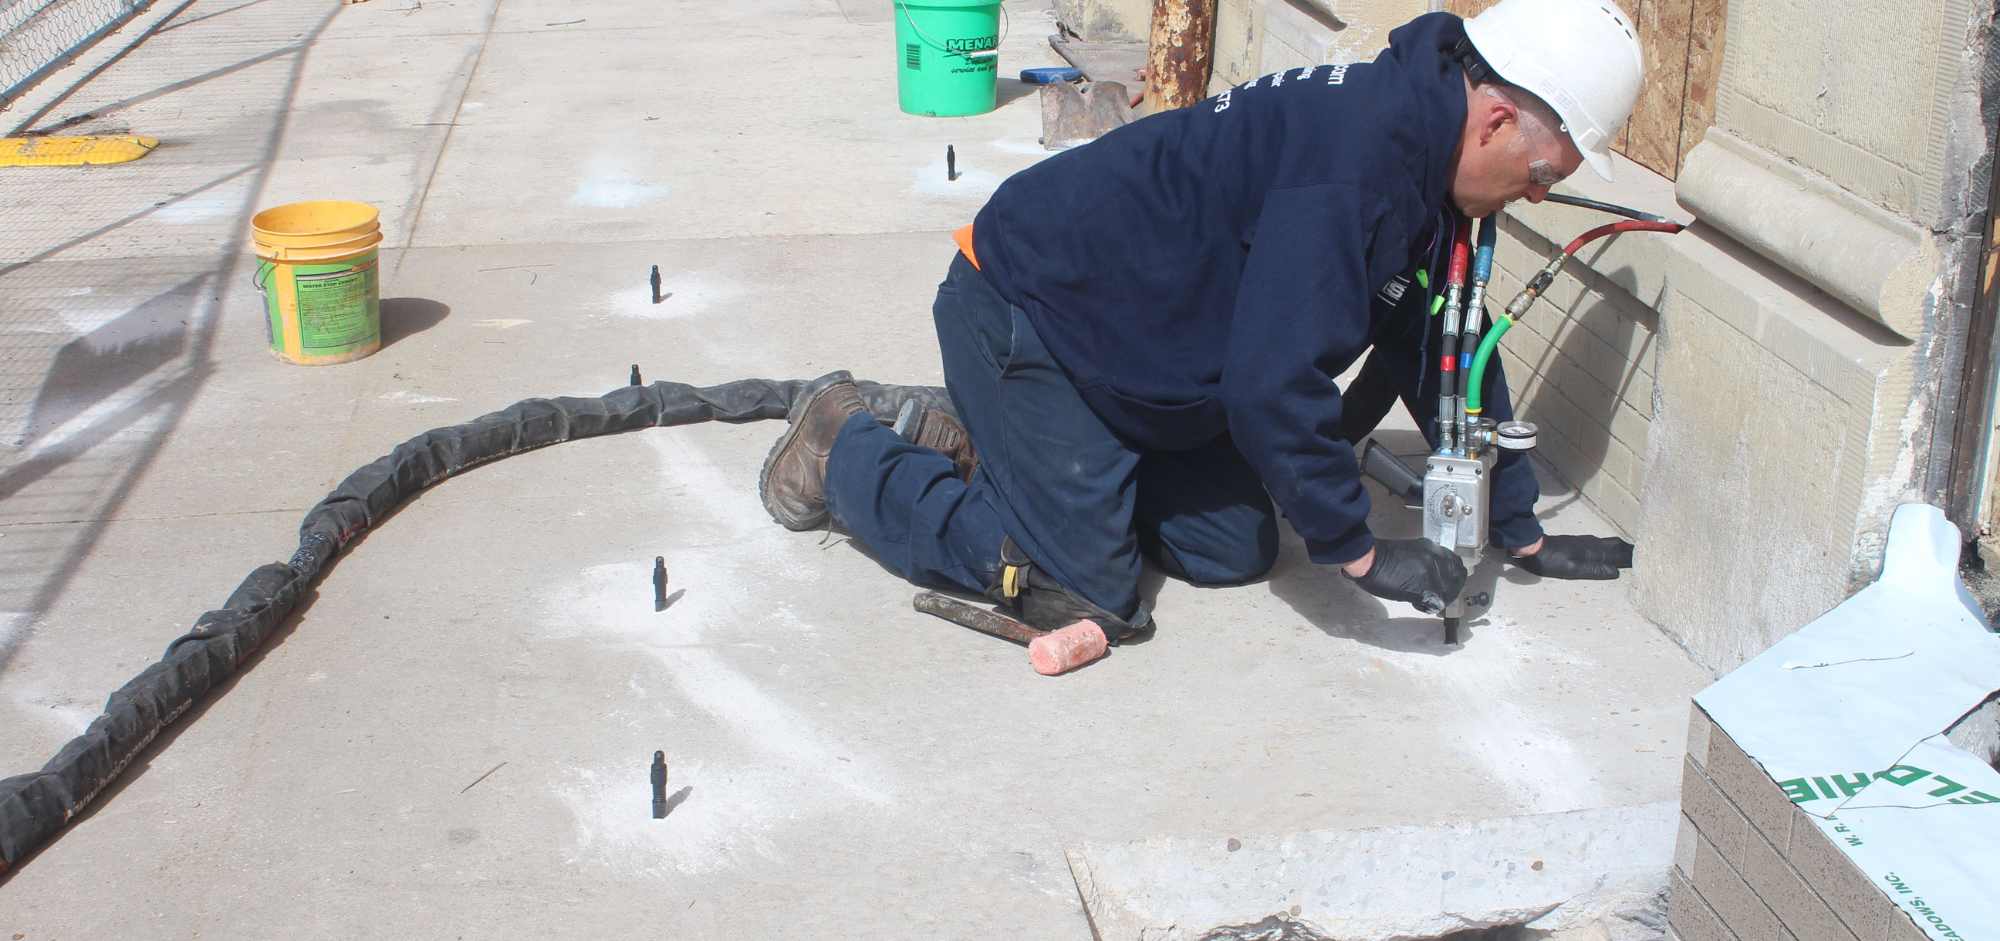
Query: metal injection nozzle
[{"x": 659, "y": 785}]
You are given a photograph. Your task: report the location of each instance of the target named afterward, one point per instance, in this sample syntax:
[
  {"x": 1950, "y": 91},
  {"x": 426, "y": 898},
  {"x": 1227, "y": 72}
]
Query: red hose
[
  {"x": 1461, "y": 254},
  {"x": 1629, "y": 225}
]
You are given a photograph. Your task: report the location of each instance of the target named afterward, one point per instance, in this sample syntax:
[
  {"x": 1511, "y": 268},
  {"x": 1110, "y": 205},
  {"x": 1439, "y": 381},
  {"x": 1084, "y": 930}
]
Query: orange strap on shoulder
[{"x": 964, "y": 239}]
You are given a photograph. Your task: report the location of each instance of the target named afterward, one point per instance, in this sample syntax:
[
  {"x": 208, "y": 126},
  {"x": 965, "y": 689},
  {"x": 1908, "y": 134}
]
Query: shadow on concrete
[
  {"x": 1006, "y": 91},
  {"x": 409, "y": 316},
  {"x": 1326, "y": 600},
  {"x": 91, "y": 368},
  {"x": 191, "y": 20},
  {"x": 157, "y": 354},
  {"x": 167, "y": 89},
  {"x": 679, "y": 797},
  {"x": 115, "y": 225}
]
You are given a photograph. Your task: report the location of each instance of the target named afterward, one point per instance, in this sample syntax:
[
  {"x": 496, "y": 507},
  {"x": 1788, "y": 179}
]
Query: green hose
[{"x": 1476, "y": 380}]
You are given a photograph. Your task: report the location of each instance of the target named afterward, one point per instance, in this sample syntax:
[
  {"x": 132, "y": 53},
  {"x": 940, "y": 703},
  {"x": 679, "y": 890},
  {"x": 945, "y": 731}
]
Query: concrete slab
[
  {"x": 828, "y": 153},
  {"x": 923, "y": 790},
  {"x": 1587, "y": 873},
  {"x": 263, "y": 20},
  {"x": 371, "y": 133}
]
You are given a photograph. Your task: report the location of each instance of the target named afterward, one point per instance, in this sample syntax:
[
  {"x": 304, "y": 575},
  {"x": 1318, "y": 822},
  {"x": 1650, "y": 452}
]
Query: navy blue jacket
[
  {"x": 1210, "y": 270},
  {"x": 1407, "y": 342}
]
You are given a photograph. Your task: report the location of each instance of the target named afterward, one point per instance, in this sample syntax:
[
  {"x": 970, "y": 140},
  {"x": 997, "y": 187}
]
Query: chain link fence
[{"x": 37, "y": 37}]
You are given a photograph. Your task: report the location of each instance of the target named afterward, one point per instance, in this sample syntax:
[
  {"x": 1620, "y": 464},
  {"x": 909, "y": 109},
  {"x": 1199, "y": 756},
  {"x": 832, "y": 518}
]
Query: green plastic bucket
[{"x": 947, "y": 56}]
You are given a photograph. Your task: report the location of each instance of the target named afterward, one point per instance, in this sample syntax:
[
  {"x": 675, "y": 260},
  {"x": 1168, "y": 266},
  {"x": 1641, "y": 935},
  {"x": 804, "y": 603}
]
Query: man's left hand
[{"x": 1580, "y": 557}]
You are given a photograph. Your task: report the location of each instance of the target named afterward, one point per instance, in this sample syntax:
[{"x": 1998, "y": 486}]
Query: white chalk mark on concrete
[
  {"x": 608, "y": 184},
  {"x": 407, "y": 397},
  {"x": 1022, "y": 146},
  {"x": 220, "y": 203},
  {"x": 790, "y": 769},
  {"x": 724, "y": 822},
  {"x": 971, "y": 184},
  {"x": 13, "y": 625},
  {"x": 1532, "y": 759},
  {"x": 778, "y": 766},
  {"x": 685, "y": 295},
  {"x": 501, "y": 323},
  {"x": 726, "y": 498}
]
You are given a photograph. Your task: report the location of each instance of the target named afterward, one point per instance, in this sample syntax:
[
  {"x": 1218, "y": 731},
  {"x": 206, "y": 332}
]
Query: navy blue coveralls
[{"x": 1145, "y": 354}]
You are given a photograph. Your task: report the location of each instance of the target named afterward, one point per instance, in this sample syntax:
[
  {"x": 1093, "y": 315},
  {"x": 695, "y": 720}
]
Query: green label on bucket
[
  {"x": 974, "y": 44},
  {"x": 338, "y": 306}
]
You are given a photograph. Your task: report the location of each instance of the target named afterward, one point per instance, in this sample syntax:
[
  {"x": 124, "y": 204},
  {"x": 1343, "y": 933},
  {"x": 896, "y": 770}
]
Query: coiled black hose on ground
[{"x": 35, "y": 806}]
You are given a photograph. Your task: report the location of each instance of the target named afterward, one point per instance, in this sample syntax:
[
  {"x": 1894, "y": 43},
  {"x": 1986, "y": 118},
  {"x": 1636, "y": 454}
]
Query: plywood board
[
  {"x": 1655, "y": 134},
  {"x": 1704, "y": 71},
  {"x": 1631, "y": 10}
]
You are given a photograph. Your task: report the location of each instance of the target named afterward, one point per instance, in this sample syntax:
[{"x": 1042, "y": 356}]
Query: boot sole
[{"x": 807, "y": 397}]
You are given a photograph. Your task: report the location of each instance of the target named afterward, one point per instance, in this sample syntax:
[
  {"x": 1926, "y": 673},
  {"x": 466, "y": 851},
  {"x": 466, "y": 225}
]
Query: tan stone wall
[
  {"x": 1106, "y": 20},
  {"x": 1743, "y": 425},
  {"x": 1258, "y": 37},
  {"x": 1239, "y": 43},
  {"x": 1855, "y": 90}
]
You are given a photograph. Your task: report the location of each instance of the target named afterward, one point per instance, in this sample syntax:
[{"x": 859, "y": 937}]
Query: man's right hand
[{"x": 1417, "y": 571}]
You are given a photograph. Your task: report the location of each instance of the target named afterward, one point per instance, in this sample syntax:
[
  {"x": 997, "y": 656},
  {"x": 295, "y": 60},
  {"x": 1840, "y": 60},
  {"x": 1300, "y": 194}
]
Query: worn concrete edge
[
  {"x": 1299, "y": 888},
  {"x": 1086, "y": 888}
]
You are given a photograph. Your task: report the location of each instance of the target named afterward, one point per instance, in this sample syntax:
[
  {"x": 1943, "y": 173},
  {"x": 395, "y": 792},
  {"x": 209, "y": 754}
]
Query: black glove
[
  {"x": 1587, "y": 557},
  {"x": 1417, "y": 571}
]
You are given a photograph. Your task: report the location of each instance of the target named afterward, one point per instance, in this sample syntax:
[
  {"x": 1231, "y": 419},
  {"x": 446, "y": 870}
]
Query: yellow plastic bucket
[{"x": 319, "y": 276}]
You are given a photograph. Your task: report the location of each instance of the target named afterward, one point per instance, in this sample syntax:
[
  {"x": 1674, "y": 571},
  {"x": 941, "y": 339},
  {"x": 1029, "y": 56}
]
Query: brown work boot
[
  {"x": 793, "y": 485},
  {"x": 940, "y": 431}
]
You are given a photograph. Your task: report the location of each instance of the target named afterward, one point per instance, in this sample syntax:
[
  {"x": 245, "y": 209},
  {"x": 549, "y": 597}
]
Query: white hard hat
[{"x": 1580, "y": 56}]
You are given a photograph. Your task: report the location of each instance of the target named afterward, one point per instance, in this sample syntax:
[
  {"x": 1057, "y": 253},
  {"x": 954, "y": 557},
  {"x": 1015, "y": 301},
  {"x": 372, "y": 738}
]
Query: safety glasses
[{"x": 1541, "y": 172}]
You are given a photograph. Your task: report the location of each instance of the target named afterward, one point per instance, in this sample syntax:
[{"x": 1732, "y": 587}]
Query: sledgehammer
[{"x": 1049, "y": 652}]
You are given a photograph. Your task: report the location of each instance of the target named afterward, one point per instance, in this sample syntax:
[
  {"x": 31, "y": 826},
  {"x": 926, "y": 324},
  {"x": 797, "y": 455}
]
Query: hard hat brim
[{"x": 1600, "y": 163}]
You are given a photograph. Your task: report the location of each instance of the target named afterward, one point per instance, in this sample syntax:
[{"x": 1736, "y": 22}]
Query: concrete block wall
[
  {"x": 1258, "y": 37},
  {"x": 1300, "y": 33},
  {"x": 1742, "y": 440},
  {"x": 1106, "y": 20},
  {"x": 1580, "y": 365},
  {"x": 1781, "y": 415},
  {"x": 1748, "y": 866}
]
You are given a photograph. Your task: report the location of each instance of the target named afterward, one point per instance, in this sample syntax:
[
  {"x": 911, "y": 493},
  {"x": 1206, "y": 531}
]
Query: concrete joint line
[{"x": 451, "y": 127}]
